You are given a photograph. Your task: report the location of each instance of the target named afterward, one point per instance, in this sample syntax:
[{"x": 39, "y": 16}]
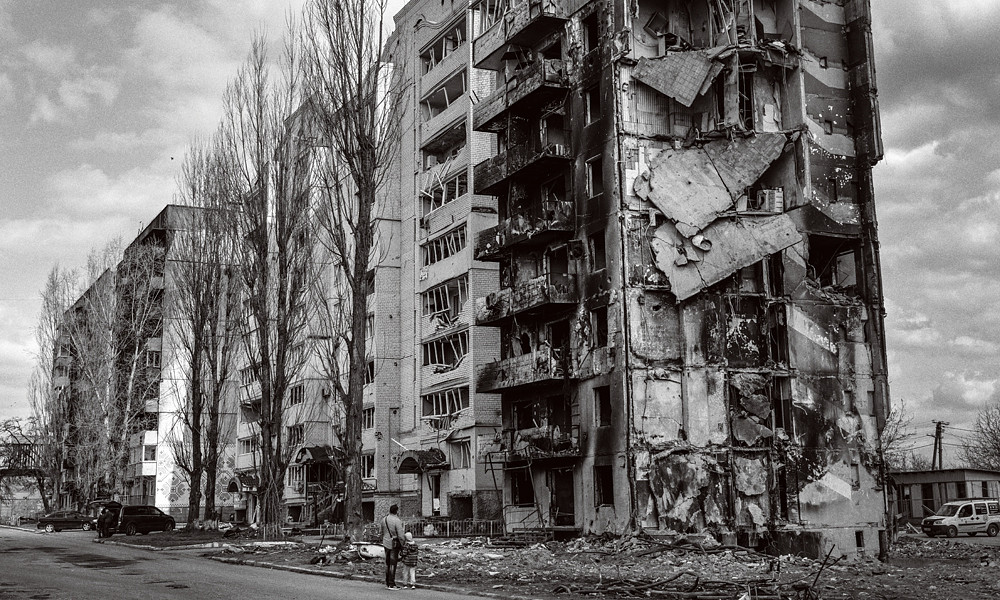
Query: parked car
[
  {"x": 964, "y": 516},
  {"x": 142, "y": 519},
  {"x": 64, "y": 519}
]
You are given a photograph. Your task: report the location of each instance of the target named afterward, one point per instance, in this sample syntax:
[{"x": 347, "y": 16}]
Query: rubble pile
[{"x": 674, "y": 567}]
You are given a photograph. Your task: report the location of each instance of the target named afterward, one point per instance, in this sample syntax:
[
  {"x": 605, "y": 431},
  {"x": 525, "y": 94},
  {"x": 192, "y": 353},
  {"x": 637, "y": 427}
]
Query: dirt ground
[{"x": 665, "y": 567}]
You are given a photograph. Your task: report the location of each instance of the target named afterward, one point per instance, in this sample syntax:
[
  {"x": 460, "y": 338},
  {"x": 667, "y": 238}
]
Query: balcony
[
  {"x": 524, "y": 23},
  {"x": 433, "y": 126},
  {"x": 492, "y": 173},
  {"x": 539, "y": 443},
  {"x": 544, "y": 365},
  {"x": 527, "y": 297},
  {"x": 556, "y": 221},
  {"x": 535, "y": 85}
]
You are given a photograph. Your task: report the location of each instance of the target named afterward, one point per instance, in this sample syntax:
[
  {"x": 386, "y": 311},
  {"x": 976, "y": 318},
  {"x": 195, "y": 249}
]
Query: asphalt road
[{"x": 69, "y": 565}]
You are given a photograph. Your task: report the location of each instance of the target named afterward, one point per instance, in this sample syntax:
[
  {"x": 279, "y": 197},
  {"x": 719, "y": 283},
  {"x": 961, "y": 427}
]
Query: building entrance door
[{"x": 561, "y": 506}]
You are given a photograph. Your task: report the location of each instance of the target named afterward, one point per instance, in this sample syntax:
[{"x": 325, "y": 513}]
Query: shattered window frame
[
  {"x": 445, "y": 403},
  {"x": 444, "y": 246},
  {"x": 522, "y": 490},
  {"x": 368, "y": 417},
  {"x": 461, "y": 453},
  {"x": 592, "y": 101},
  {"x": 602, "y": 406},
  {"x": 604, "y": 485},
  {"x": 599, "y": 326},
  {"x": 443, "y": 45},
  {"x": 368, "y": 465},
  {"x": 598, "y": 251},
  {"x": 448, "y": 298},
  {"x": 446, "y": 352}
]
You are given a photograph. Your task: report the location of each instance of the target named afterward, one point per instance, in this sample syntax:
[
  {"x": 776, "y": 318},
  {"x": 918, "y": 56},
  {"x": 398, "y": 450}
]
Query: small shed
[{"x": 917, "y": 494}]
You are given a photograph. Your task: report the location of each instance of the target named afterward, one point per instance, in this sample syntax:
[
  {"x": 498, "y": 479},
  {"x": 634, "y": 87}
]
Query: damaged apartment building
[{"x": 689, "y": 301}]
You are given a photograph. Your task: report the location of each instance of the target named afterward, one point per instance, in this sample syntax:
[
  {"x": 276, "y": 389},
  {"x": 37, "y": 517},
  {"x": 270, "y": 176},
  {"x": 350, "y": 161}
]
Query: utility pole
[{"x": 937, "y": 456}]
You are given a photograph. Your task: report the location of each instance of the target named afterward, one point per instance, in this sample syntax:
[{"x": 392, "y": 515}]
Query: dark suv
[{"x": 143, "y": 519}]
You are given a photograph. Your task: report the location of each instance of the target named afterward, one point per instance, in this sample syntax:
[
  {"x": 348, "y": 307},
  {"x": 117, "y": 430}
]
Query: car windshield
[{"x": 948, "y": 510}]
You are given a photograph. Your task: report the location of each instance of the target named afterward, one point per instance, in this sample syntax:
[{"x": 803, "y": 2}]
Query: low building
[{"x": 917, "y": 494}]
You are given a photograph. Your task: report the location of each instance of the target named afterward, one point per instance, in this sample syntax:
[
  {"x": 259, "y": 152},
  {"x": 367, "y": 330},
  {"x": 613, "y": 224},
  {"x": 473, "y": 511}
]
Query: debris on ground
[{"x": 674, "y": 567}]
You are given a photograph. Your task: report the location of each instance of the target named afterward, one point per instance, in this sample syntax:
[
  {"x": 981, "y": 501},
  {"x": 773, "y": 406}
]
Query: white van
[{"x": 964, "y": 516}]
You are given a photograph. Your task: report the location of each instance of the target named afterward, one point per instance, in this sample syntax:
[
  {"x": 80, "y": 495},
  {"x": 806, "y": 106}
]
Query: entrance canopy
[{"x": 415, "y": 462}]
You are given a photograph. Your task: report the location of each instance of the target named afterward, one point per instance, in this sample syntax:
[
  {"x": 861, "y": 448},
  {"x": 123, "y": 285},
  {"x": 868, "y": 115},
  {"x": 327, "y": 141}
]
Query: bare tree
[
  {"x": 107, "y": 330},
  {"x": 895, "y": 435},
  {"x": 981, "y": 450},
  {"x": 205, "y": 295},
  {"x": 274, "y": 242},
  {"x": 356, "y": 115},
  {"x": 49, "y": 399}
]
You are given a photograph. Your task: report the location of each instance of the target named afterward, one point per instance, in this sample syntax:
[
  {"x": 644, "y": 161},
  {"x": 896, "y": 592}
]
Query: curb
[{"x": 337, "y": 575}]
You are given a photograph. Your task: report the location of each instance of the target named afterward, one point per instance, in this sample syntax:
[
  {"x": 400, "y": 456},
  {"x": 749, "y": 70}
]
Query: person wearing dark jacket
[
  {"x": 392, "y": 540},
  {"x": 104, "y": 523}
]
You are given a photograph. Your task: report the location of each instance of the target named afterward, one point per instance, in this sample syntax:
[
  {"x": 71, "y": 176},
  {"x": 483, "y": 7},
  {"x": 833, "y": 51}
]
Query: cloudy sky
[{"x": 98, "y": 100}]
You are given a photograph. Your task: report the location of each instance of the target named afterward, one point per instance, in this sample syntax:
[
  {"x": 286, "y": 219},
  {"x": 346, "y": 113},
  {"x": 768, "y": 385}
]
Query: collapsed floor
[{"x": 690, "y": 567}]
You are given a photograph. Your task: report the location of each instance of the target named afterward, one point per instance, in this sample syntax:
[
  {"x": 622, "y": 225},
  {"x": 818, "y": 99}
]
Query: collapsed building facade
[{"x": 690, "y": 305}]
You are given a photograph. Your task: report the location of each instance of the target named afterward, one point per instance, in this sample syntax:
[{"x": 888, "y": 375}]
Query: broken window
[
  {"x": 591, "y": 30},
  {"x": 370, "y": 372},
  {"x": 604, "y": 486},
  {"x": 368, "y": 418},
  {"x": 370, "y": 282},
  {"x": 443, "y": 45},
  {"x": 747, "y": 110},
  {"x": 592, "y": 98},
  {"x": 595, "y": 176},
  {"x": 446, "y": 402},
  {"x": 780, "y": 394},
  {"x": 524, "y": 415},
  {"x": 446, "y": 301},
  {"x": 522, "y": 493},
  {"x": 368, "y": 465},
  {"x": 461, "y": 454},
  {"x": 598, "y": 255},
  {"x": 296, "y": 434},
  {"x": 446, "y": 353},
  {"x": 444, "y": 246},
  {"x": 444, "y": 96},
  {"x": 557, "y": 260},
  {"x": 833, "y": 261},
  {"x": 602, "y": 406},
  {"x": 599, "y": 324},
  {"x": 553, "y": 130},
  {"x": 445, "y": 192},
  {"x": 445, "y": 146},
  {"x": 488, "y": 13}
]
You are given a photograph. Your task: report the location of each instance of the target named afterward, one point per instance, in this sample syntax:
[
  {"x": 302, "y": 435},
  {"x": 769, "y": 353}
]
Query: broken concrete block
[
  {"x": 737, "y": 243},
  {"x": 682, "y": 76}
]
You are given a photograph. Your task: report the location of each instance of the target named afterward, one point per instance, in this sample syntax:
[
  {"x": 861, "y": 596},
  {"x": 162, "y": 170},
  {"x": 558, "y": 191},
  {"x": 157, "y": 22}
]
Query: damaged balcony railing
[
  {"x": 535, "y": 84},
  {"x": 538, "y": 443},
  {"x": 524, "y": 298},
  {"x": 521, "y": 24},
  {"x": 556, "y": 219},
  {"x": 490, "y": 174},
  {"x": 540, "y": 366}
]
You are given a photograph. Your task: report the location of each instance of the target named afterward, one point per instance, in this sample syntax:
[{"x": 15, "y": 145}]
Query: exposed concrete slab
[
  {"x": 735, "y": 243},
  {"x": 682, "y": 76}
]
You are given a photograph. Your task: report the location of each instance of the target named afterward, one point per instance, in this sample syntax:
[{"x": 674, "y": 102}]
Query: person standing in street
[
  {"x": 408, "y": 556},
  {"x": 392, "y": 540}
]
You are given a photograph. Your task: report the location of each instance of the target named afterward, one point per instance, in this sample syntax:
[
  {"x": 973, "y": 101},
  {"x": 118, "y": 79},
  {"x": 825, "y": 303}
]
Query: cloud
[
  {"x": 51, "y": 59},
  {"x": 74, "y": 97},
  {"x": 90, "y": 192}
]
